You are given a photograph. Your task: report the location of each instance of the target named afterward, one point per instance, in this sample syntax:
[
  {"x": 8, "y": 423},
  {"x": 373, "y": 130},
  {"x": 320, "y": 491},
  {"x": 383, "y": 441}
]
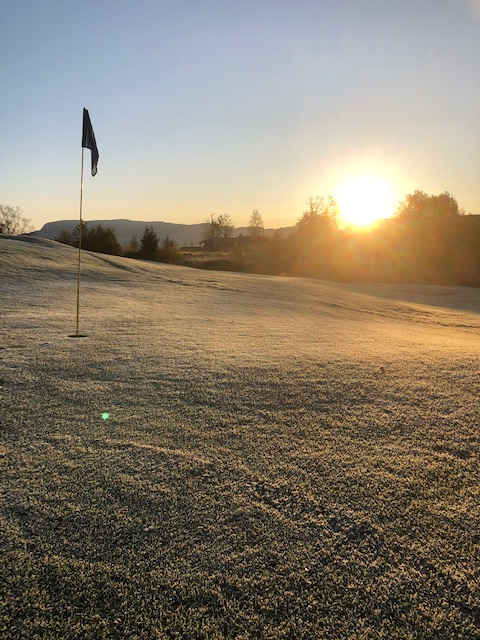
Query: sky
[{"x": 205, "y": 107}]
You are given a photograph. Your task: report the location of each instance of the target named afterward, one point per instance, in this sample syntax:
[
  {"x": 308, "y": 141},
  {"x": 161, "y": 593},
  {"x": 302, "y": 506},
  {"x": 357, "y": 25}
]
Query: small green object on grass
[{"x": 105, "y": 416}]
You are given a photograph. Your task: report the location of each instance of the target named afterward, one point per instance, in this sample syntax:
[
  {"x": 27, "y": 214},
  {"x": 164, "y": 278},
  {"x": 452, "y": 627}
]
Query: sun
[{"x": 364, "y": 199}]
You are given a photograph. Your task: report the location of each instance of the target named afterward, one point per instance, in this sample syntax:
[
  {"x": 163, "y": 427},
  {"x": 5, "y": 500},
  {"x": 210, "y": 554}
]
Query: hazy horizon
[{"x": 135, "y": 220}]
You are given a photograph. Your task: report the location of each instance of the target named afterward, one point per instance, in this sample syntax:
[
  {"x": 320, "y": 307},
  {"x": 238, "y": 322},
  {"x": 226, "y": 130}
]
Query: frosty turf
[{"x": 287, "y": 458}]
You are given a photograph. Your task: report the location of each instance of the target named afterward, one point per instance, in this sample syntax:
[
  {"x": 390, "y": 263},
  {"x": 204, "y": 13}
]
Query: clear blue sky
[{"x": 204, "y": 107}]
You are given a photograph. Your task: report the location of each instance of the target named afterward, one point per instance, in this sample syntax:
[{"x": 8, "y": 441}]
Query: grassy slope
[{"x": 260, "y": 475}]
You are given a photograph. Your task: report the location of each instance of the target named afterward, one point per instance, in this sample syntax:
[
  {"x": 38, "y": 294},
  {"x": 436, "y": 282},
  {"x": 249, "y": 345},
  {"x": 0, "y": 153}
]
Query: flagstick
[{"x": 79, "y": 247}]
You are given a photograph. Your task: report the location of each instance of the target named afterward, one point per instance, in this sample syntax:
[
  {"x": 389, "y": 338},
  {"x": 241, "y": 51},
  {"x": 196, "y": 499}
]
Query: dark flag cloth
[{"x": 88, "y": 140}]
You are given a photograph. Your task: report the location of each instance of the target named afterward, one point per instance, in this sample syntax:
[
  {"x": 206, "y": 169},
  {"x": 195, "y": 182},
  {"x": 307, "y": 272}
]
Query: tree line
[
  {"x": 104, "y": 240},
  {"x": 428, "y": 240},
  {"x": 216, "y": 235}
]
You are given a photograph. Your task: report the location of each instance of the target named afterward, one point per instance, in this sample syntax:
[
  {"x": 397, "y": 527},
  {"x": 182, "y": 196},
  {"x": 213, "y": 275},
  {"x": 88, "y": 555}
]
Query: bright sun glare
[{"x": 364, "y": 199}]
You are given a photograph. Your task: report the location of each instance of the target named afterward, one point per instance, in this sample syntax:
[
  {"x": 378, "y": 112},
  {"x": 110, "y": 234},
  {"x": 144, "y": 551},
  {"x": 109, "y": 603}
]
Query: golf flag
[{"x": 88, "y": 140}]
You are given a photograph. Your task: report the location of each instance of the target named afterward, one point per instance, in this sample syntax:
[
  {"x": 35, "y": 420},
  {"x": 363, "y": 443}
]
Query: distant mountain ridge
[{"x": 185, "y": 235}]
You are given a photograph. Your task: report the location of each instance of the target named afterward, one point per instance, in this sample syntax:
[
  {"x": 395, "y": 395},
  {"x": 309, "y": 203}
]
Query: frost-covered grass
[{"x": 283, "y": 458}]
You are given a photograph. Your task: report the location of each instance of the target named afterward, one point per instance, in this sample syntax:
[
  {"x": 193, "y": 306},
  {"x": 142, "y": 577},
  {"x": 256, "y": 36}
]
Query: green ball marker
[{"x": 105, "y": 416}]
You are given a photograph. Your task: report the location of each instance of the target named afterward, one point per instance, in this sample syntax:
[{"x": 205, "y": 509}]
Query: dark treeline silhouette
[
  {"x": 100, "y": 239},
  {"x": 429, "y": 240},
  {"x": 104, "y": 240}
]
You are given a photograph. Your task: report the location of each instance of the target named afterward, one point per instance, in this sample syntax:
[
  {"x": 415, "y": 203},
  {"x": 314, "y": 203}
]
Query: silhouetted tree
[
  {"x": 255, "y": 224},
  {"x": 102, "y": 240},
  {"x": 322, "y": 214},
  {"x": 12, "y": 220},
  {"x": 132, "y": 247},
  {"x": 211, "y": 230},
  {"x": 418, "y": 205},
  {"x": 312, "y": 246},
  {"x": 65, "y": 237},
  {"x": 216, "y": 230},
  {"x": 149, "y": 244},
  {"x": 168, "y": 251},
  {"x": 76, "y": 234}
]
